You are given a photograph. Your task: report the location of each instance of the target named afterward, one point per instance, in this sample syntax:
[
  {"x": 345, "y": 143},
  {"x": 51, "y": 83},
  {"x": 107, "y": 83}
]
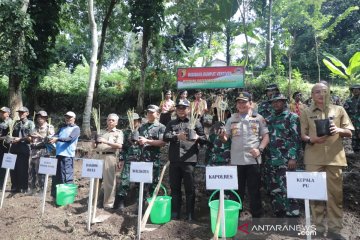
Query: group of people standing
[
  {"x": 30, "y": 141},
  {"x": 264, "y": 143}
]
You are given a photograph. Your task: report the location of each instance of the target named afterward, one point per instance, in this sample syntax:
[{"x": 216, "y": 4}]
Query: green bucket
[
  {"x": 231, "y": 215},
  {"x": 66, "y": 193},
  {"x": 161, "y": 210}
]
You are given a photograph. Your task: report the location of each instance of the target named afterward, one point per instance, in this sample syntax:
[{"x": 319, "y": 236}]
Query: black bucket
[
  {"x": 322, "y": 127},
  {"x": 191, "y": 134}
]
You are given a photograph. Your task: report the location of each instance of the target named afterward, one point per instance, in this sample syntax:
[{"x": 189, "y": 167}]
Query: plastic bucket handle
[
  {"x": 235, "y": 193},
  {"x": 162, "y": 186}
]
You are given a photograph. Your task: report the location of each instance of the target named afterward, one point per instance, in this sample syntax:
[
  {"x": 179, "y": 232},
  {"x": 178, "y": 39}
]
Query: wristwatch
[{"x": 308, "y": 141}]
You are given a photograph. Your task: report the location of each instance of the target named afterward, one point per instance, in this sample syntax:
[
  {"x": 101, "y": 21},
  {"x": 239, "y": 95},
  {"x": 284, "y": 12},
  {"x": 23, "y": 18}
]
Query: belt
[{"x": 105, "y": 152}]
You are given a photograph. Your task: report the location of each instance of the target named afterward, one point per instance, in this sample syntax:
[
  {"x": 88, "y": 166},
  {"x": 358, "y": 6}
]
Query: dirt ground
[{"x": 20, "y": 217}]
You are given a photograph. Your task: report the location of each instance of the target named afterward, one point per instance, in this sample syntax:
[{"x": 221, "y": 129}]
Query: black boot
[
  {"x": 190, "y": 205},
  {"x": 119, "y": 203},
  {"x": 176, "y": 207}
]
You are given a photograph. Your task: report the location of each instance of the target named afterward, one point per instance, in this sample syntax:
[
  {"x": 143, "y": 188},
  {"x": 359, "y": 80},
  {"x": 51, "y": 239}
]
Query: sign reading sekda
[{"x": 210, "y": 77}]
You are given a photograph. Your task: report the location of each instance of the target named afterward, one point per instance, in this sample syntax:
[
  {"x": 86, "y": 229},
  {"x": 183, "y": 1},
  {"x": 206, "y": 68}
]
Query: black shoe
[
  {"x": 119, "y": 203},
  {"x": 335, "y": 236},
  {"x": 175, "y": 216}
]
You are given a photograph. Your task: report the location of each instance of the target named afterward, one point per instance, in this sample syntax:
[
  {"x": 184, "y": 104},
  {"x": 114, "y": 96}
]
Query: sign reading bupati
[
  {"x": 48, "y": 166},
  {"x": 141, "y": 172},
  {"x": 92, "y": 168},
  {"x": 9, "y": 161},
  {"x": 221, "y": 177},
  {"x": 306, "y": 185},
  {"x": 210, "y": 77}
]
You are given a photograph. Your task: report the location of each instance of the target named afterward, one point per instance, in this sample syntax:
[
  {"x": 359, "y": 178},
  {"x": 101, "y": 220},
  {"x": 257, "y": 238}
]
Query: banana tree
[{"x": 351, "y": 73}]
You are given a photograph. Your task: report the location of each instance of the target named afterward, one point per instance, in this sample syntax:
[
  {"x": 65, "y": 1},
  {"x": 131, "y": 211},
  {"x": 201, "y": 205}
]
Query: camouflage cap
[
  {"x": 152, "y": 108},
  {"x": 278, "y": 97},
  {"x": 23, "y": 109},
  {"x": 355, "y": 86},
  {"x": 42, "y": 114},
  {"x": 5, "y": 109},
  {"x": 272, "y": 86}
]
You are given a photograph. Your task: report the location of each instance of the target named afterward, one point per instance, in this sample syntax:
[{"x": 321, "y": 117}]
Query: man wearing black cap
[
  {"x": 264, "y": 108},
  {"x": 352, "y": 107},
  {"x": 66, "y": 140},
  {"x": 284, "y": 150},
  {"x": 23, "y": 129},
  {"x": 249, "y": 136},
  {"x": 167, "y": 106},
  {"x": 183, "y": 151},
  {"x": 5, "y": 121},
  {"x": 40, "y": 147}
]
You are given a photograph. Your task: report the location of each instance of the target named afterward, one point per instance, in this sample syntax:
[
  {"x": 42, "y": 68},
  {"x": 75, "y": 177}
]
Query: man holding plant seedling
[
  {"x": 324, "y": 152},
  {"x": 131, "y": 152},
  {"x": 249, "y": 136},
  {"x": 184, "y": 134},
  {"x": 23, "y": 129},
  {"x": 107, "y": 147},
  {"x": 66, "y": 140}
]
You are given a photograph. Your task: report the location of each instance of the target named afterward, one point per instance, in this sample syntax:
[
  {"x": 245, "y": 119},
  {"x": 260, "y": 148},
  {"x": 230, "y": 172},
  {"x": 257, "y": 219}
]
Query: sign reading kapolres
[{"x": 210, "y": 77}]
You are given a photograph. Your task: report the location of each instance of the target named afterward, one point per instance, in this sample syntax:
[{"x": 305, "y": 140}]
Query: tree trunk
[
  {"x": 243, "y": 18},
  {"x": 268, "y": 42},
  {"x": 228, "y": 43},
  {"x": 100, "y": 55},
  {"x": 91, "y": 85},
  {"x": 317, "y": 56},
  {"x": 15, "y": 75},
  {"x": 144, "y": 46}
]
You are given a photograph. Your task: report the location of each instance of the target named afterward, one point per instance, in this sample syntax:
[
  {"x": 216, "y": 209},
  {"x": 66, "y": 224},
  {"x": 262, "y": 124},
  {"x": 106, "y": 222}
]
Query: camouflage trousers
[
  {"x": 35, "y": 181},
  {"x": 124, "y": 180},
  {"x": 277, "y": 186},
  {"x": 355, "y": 141}
]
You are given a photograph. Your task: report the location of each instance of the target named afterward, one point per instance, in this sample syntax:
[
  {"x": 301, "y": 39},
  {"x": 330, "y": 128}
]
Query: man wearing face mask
[
  {"x": 66, "y": 140},
  {"x": 23, "y": 129}
]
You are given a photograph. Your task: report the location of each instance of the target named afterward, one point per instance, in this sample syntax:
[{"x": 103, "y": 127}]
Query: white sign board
[
  {"x": 92, "y": 168},
  {"x": 9, "y": 161},
  {"x": 307, "y": 185},
  {"x": 48, "y": 166},
  {"x": 221, "y": 177},
  {"x": 141, "y": 172}
]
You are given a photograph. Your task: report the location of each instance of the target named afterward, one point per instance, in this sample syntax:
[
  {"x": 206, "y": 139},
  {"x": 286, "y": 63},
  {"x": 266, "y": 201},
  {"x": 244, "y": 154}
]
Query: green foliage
[{"x": 351, "y": 74}]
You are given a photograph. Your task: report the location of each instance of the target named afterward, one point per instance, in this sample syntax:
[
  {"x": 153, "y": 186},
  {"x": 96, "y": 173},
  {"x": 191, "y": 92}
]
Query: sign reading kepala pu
[{"x": 210, "y": 77}]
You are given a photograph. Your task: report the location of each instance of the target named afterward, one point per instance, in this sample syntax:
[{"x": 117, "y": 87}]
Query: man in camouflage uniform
[
  {"x": 264, "y": 108},
  {"x": 131, "y": 152},
  {"x": 5, "y": 121},
  {"x": 40, "y": 147},
  {"x": 107, "y": 146},
  {"x": 22, "y": 132},
  {"x": 352, "y": 107},
  {"x": 218, "y": 153},
  {"x": 284, "y": 148}
]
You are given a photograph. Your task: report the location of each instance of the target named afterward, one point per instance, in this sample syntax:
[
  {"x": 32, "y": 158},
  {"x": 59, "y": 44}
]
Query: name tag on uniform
[{"x": 235, "y": 129}]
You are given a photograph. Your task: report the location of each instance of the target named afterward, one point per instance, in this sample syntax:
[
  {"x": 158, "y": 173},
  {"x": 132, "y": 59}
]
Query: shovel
[
  {"x": 102, "y": 217},
  {"x": 148, "y": 210}
]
